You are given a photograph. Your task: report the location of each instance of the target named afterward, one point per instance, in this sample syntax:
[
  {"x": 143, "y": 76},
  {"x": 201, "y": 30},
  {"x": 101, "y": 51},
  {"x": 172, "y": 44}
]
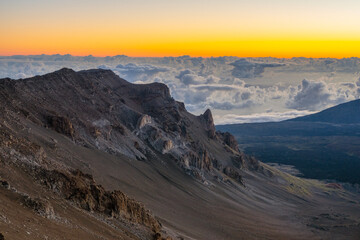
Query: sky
[
  {"x": 257, "y": 28},
  {"x": 237, "y": 89}
]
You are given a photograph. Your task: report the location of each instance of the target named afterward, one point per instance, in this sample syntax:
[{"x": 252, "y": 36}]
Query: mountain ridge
[
  {"x": 345, "y": 113},
  {"x": 321, "y": 145}
]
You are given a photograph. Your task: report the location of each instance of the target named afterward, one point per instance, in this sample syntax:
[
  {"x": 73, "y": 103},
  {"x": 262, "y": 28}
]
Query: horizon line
[{"x": 169, "y": 56}]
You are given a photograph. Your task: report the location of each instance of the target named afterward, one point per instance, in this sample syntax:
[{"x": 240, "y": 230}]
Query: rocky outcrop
[
  {"x": 143, "y": 120},
  {"x": 40, "y": 206},
  {"x": 156, "y": 90},
  {"x": 61, "y": 124},
  {"x": 167, "y": 145},
  {"x": 234, "y": 174},
  {"x": 82, "y": 190},
  {"x": 199, "y": 158},
  {"x": 252, "y": 163},
  {"x": 209, "y": 125},
  {"x": 119, "y": 128},
  {"x": 16, "y": 147},
  {"x": 229, "y": 140},
  {"x": 158, "y": 236}
]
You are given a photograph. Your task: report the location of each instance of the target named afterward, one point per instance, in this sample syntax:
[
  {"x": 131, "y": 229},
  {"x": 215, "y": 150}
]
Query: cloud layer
[
  {"x": 237, "y": 90},
  {"x": 260, "y": 117}
]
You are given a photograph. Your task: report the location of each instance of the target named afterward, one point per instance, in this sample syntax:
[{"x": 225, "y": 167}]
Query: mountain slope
[
  {"x": 324, "y": 145},
  {"x": 345, "y": 113},
  {"x": 137, "y": 139}
]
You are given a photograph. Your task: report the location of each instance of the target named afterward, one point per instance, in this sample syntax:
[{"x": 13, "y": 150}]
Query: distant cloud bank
[
  {"x": 260, "y": 117},
  {"x": 236, "y": 89}
]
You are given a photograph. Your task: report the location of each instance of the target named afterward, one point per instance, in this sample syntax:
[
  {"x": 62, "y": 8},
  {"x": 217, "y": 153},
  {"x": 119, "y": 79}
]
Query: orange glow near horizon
[
  {"x": 256, "y": 48},
  {"x": 161, "y": 28}
]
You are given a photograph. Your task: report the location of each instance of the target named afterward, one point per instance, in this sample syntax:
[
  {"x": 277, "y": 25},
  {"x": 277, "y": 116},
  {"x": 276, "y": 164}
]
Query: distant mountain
[
  {"x": 325, "y": 145},
  {"x": 346, "y": 113}
]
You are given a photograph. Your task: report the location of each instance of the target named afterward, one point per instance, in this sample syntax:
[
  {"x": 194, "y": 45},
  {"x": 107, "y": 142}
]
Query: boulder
[
  {"x": 143, "y": 120},
  {"x": 168, "y": 145},
  {"x": 41, "y": 206}
]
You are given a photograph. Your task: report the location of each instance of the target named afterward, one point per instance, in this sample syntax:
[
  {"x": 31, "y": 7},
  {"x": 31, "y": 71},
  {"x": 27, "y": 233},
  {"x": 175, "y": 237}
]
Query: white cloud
[
  {"x": 243, "y": 68},
  {"x": 316, "y": 95},
  {"x": 310, "y": 95},
  {"x": 134, "y": 72},
  {"x": 259, "y": 117}
]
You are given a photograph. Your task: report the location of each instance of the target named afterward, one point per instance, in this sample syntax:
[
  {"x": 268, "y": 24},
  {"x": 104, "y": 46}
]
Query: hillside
[
  {"x": 324, "y": 145},
  {"x": 346, "y": 113},
  {"x": 88, "y": 155}
]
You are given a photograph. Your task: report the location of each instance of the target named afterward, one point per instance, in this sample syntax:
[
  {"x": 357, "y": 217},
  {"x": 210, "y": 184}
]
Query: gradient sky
[{"x": 256, "y": 28}]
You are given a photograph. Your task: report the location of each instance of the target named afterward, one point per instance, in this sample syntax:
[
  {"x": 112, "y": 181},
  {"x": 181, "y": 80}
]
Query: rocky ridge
[{"x": 123, "y": 118}]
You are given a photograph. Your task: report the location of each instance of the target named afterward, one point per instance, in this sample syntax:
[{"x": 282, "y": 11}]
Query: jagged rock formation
[
  {"x": 209, "y": 123},
  {"x": 61, "y": 125},
  {"x": 121, "y": 118},
  {"x": 231, "y": 172},
  {"x": 229, "y": 140},
  {"x": 82, "y": 189},
  {"x": 41, "y": 206},
  {"x": 143, "y": 120}
]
